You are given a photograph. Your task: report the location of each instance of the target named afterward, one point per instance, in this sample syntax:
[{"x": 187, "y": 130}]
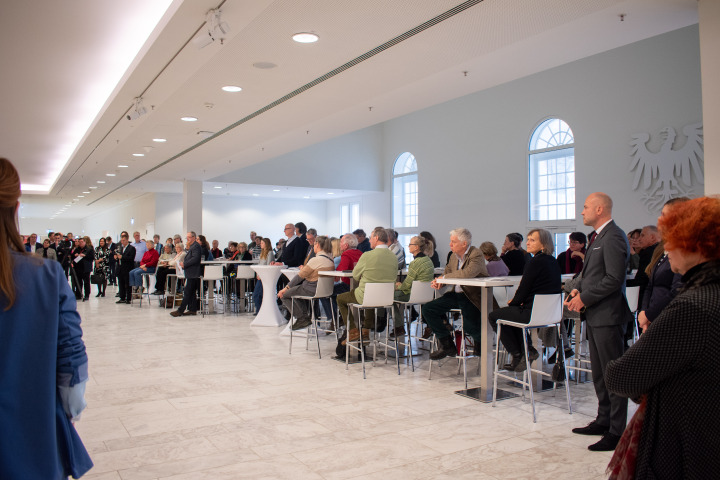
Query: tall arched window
[
  {"x": 552, "y": 171},
  {"x": 405, "y": 191}
]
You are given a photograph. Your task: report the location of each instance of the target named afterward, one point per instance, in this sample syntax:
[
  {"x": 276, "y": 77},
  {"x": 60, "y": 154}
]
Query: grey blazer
[{"x": 602, "y": 284}]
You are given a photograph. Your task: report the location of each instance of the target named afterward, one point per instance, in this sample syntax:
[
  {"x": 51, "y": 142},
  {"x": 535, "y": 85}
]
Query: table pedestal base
[{"x": 485, "y": 396}]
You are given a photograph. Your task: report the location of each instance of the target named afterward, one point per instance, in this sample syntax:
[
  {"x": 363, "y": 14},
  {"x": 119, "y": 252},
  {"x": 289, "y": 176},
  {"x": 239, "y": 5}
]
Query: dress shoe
[
  {"x": 188, "y": 313},
  {"x": 176, "y": 313},
  {"x": 592, "y": 428},
  {"x": 301, "y": 323},
  {"x": 427, "y": 333},
  {"x": 98, "y": 294},
  {"x": 606, "y": 444},
  {"x": 398, "y": 332},
  {"x": 85, "y": 299},
  {"x": 354, "y": 335},
  {"x": 157, "y": 292},
  {"x": 513, "y": 363},
  {"x": 447, "y": 349},
  {"x": 121, "y": 301}
]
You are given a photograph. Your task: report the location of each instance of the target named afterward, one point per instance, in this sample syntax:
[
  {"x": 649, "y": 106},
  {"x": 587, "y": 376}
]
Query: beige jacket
[{"x": 474, "y": 266}]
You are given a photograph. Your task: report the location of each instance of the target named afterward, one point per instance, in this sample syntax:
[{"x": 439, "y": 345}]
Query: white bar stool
[
  {"x": 377, "y": 295},
  {"x": 323, "y": 289},
  {"x": 420, "y": 294}
]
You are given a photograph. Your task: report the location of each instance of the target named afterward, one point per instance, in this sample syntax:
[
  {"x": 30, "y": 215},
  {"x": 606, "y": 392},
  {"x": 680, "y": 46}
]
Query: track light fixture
[
  {"x": 215, "y": 29},
  {"x": 137, "y": 111}
]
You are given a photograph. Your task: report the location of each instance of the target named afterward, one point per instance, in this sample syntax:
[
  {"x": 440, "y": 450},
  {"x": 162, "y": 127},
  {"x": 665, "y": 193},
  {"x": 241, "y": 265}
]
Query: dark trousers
[
  {"x": 511, "y": 337},
  {"x": 160, "y": 277},
  {"x": 76, "y": 283},
  {"x": 190, "y": 301},
  {"x": 84, "y": 283},
  {"x": 433, "y": 312},
  {"x": 257, "y": 296},
  {"x": 124, "y": 284},
  {"x": 112, "y": 274},
  {"x": 606, "y": 344},
  {"x": 330, "y": 304}
]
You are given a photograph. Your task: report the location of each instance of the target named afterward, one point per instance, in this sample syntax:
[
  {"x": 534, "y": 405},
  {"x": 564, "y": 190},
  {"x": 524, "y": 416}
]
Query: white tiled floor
[{"x": 213, "y": 398}]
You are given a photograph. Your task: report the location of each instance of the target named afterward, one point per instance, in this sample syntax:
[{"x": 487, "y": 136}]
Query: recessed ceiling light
[
  {"x": 86, "y": 192},
  {"x": 255, "y": 195},
  {"x": 159, "y": 140},
  {"x": 109, "y": 174},
  {"x": 122, "y": 166},
  {"x": 101, "y": 181},
  {"x": 306, "y": 197},
  {"x": 138, "y": 154},
  {"x": 232, "y": 88},
  {"x": 331, "y": 193},
  {"x": 188, "y": 119},
  {"x": 276, "y": 189},
  {"x": 217, "y": 186},
  {"x": 81, "y": 196},
  {"x": 92, "y": 188},
  {"x": 305, "y": 37},
  {"x": 264, "y": 65}
]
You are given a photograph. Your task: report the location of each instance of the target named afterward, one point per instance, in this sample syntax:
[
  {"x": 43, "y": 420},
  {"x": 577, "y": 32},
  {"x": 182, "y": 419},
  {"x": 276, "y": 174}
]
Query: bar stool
[
  {"x": 546, "y": 312},
  {"x": 243, "y": 275},
  {"x": 420, "y": 294},
  {"x": 632, "y": 295},
  {"x": 146, "y": 277},
  {"x": 377, "y": 295},
  {"x": 172, "y": 289},
  {"x": 212, "y": 274},
  {"x": 462, "y": 356},
  {"x": 323, "y": 289}
]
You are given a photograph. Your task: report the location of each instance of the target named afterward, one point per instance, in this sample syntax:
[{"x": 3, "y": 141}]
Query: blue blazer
[{"x": 40, "y": 346}]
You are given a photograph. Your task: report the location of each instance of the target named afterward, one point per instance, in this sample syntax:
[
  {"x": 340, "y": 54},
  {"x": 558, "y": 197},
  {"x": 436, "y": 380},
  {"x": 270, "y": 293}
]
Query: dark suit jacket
[
  {"x": 192, "y": 262},
  {"x": 294, "y": 254},
  {"x": 127, "y": 261},
  {"x": 38, "y": 246},
  {"x": 602, "y": 285}
]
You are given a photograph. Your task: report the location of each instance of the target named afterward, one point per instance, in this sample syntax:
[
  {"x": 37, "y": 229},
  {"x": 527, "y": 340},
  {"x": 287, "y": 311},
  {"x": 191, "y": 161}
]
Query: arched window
[
  {"x": 552, "y": 171},
  {"x": 405, "y": 192}
]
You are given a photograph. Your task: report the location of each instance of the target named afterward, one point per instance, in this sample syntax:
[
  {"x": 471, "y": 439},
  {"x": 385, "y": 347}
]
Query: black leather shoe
[
  {"x": 592, "y": 428},
  {"x": 606, "y": 444},
  {"x": 513, "y": 363},
  {"x": 447, "y": 349},
  {"x": 301, "y": 323},
  {"x": 532, "y": 354},
  {"x": 121, "y": 301}
]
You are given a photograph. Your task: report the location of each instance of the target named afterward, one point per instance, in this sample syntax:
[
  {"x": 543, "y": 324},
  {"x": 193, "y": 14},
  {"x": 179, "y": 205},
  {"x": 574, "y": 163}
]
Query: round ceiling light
[
  {"x": 232, "y": 88},
  {"x": 159, "y": 140},
  {"x": 305, "y": 37},
  {"x": 189, "y": 119},
  {"x": 138, "y": 154}
]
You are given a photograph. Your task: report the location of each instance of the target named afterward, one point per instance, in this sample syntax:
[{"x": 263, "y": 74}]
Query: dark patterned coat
[{"x": 676, "y": 362}]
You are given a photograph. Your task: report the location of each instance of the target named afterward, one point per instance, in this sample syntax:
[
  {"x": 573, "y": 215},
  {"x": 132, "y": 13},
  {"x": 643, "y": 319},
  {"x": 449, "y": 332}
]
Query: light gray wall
[
  {"x": 472, "y": 152},
  {"x": 351, "y": 161}
]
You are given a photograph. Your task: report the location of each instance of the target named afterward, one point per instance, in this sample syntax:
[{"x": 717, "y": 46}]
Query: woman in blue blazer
[{"x": 43, "y": 364}]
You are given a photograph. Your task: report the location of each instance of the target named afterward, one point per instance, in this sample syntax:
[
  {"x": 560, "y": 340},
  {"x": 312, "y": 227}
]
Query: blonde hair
[{"x": 336, "y": 252}]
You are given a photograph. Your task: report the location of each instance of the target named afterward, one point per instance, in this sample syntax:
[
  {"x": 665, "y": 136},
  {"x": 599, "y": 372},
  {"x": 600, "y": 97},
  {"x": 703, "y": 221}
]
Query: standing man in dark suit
[
  {"x": 112, "y": 248},
  {"x": 600, "y": 298},
  {"x": 193, "y": 270},
  {"x": 293, "y": 254},
  {"x": 125, "y": 256}
]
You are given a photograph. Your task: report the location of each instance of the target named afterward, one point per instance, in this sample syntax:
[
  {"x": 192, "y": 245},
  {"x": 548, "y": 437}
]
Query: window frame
[{"x": 405, "y": 229}]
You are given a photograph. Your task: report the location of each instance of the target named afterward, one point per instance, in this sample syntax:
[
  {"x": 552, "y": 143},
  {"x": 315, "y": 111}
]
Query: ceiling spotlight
[
  {"x": 86, "y": 192},
  {"x": 217, "y": 186},
  {"x": 188, "y": 119},
  {"x": 81, "y": 196},
  {"x": 92, "y": 188},
  {"x": 101, "y": 181},
  {"x": 215, "y": 29},
  {"x": 138, "y": 154},
  {"x": 159, "y": 140},
  {"x": 109, "y": 174},
  {"x": 276, "y": 189},
  {"x": 232, "y": 88},
  {"x": 137, "y": 110},
  {"x": 331, "y": 193},
  {"x": 122, "y": 166},
  {"x": 255, "y": 195},
  {"x": 306, "y": 197},
  {"x": 305, "y": 37}
]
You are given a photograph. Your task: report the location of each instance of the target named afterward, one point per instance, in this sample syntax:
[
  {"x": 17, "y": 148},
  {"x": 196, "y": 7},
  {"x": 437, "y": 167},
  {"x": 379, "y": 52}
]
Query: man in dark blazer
[
  {"x": 125, "y": 255},
  {"x": 192, "y": 267},
  {"x": 32, "y": 244},
  {"x": 296, "y": 247},
  {"x": 600, "y": 298}
]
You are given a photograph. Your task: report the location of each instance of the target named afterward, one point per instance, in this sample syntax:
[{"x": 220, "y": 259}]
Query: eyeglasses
[
  {"x": 574, "y": 242},
  {"x": 412, "y": 244}
]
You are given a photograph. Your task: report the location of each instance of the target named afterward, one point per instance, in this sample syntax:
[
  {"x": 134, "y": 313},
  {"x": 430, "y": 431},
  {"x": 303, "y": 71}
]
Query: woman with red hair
[{"x": 674, "y": 366}]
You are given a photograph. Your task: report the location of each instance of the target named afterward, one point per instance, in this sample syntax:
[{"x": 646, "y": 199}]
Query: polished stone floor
[{"x": 213, "y": 398}]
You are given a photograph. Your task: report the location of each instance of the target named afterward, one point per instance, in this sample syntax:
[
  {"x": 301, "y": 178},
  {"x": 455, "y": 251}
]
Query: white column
[
  {"x": 192, "y": 206},
  {"x": 709, "y": 18}
]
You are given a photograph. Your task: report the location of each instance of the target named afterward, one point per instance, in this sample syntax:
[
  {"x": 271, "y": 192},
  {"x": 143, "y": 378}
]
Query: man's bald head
[{"x": 597, "y": 209}]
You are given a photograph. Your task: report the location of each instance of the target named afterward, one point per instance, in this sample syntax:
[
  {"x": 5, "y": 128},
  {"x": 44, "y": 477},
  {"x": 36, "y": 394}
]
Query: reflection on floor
[{"x": 213, "y": 398}]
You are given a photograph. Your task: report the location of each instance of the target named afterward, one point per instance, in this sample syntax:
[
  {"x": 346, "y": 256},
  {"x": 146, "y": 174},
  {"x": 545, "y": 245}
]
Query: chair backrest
[
  {"x": 245, "y": 271},
  {"x": 421, "y": 292},
  {"x": 379, "y": 295},
  {"x": 504, "y": 294},
  {"x": 546, "y": 309},
  {"x": 213, "y": 272},
  {"x": 632, "y": 294},
  {"x": 324, "y": 287}
]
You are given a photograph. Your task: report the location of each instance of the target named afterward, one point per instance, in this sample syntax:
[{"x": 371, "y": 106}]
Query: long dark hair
[{"x": 10, "y": 239}]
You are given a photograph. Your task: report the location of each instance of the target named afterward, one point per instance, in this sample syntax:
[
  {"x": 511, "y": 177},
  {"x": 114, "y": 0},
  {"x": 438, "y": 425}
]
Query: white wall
[
  {"x": 374, "y": 211},
  {"x": 40, "y": 226},
  {"x": 709, "y": 15},
  {"x": 232, "y": 218},
  {"x": 115, "y": 220}
]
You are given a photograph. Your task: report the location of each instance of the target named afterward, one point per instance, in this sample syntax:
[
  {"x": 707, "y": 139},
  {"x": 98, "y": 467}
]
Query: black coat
[
  {"x": 515, "y": 261},
  {"x": 127, "y": 261},
  {"x": 293, "y": 255},
  {"x": 541, "y": 277},
  {"x": 192, "y": 263},
  {"x": 661, "y": 289},
  {"x": 676, "y": 363},
  {"x": 86, "y": 264}
]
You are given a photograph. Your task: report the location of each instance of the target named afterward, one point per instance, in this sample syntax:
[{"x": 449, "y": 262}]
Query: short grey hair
[
  {"x": 381, "y": 234},
  {"x": 462, "y": 234},
  {"x": 192, "y": 234},
  {"x": 391, "y": 235},
  {"x": 350, "y": 239},
  {"x": 546, "y": 240}
]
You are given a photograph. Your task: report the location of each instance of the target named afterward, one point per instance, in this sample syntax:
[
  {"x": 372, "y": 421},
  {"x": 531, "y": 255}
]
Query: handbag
[{"x": 97, "y": 278}]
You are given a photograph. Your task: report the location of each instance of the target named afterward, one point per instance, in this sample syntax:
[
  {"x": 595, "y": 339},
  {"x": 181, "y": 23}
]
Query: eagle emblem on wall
[{"x": 669, "y": 172}]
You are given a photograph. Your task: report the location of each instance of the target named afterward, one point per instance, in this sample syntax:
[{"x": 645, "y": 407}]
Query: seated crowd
[{"x": 663, "y": 261}]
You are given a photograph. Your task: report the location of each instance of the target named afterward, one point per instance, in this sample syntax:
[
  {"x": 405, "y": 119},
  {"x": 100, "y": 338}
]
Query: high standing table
[
  {"x": 269, "y": 314},
  {"x": 289, "y": 273},
  {"x": 484, "y": 392}
]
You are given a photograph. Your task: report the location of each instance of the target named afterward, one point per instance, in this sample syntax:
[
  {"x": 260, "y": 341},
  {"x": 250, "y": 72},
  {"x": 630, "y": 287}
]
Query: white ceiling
[{"x": 52, "y": 52}]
